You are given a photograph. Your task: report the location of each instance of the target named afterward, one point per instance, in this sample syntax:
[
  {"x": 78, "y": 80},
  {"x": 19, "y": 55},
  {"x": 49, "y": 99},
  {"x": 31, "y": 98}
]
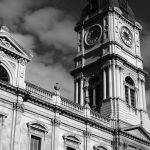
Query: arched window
[
  {"x": 4, "y": 75},
  {"x": 130, "y": 92}
]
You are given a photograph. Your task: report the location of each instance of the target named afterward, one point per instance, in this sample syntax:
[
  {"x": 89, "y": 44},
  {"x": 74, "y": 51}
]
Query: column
[
  {"x": 2, "y": 117},
  {"x": 110, "y": 81},
  {"x": 104, "y": 84},
  {"x": 114, "y": 79},
  {"x": 86, "y": 135},
  {"x": 55, "y": 136},
  {"x": 79, "y": 42},
  {"x": 121, "y": 84},
  {"x": 94, "y": 97},
  {"x": 18, "y": 110},
  {"x": 140, "y": 94},
  {"x": 81, "y": 92},
  {"x": 129, "y": 97},
  {"x": 144, "y": 95},
  {"x": 86, "y": 86},
  {"x": 118, "y": 81},
  {"x": 76, "y": 91}
]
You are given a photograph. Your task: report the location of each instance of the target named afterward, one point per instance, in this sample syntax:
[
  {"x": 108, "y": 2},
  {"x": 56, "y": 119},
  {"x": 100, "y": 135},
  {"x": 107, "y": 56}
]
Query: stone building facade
[{"x": 109, "y": 108}]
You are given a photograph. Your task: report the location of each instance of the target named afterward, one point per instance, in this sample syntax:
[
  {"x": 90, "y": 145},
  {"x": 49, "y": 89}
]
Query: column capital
[
  {"x": 87, "y": 133},
  {"x": 142, "y": 79},
  {"x": 119, "y": 65},
  {"x": 18, "y": 106},
  {"x": 55, "y": 121},
  {"x": 2, "y": 117}
]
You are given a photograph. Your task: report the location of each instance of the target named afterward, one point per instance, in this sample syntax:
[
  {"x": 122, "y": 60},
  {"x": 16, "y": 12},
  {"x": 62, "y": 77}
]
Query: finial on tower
[{"x": 5, "y": 29}]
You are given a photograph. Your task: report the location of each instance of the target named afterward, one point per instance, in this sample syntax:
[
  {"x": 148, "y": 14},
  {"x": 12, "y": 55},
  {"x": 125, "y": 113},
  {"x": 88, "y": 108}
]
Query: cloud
[
  {"x": 148, "y": 100},
  {"x": 47, "y": 76},
  {"x": 26, "y": 41},
  {"x": 53, "y": 27},
  {"x": 11, "y": 10},
  {"x": 145, "y": 44}
]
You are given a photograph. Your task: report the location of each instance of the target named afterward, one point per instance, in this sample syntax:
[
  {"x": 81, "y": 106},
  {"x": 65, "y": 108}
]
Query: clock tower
[{"x": 108, "y": 74}]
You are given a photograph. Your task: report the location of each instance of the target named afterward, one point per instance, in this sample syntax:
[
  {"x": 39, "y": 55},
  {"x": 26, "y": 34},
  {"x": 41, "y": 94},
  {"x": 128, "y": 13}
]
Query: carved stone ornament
[
  {"x": 18, "y": 106},
  {"x": 22, "y": 61},
  {"x": 87, "y": 133},
  {"x": 2, "y": 54},
  {"x": 7, "y": 44},
  {"x": 2, "y": 117},
  {"x": 12, "y": 64},
  {"x": 55, "y": 121},
  {"x": 36, "y": 127}
]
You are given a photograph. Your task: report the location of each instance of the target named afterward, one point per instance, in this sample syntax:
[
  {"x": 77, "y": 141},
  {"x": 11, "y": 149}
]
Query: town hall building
[{"x": 109, "y": 108}]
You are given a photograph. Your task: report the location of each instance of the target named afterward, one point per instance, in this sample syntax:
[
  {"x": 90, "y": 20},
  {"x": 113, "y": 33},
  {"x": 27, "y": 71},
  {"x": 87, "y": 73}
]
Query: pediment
[
  {"x": 139, "y": 132},
  {"x": 8, "y": 43}
]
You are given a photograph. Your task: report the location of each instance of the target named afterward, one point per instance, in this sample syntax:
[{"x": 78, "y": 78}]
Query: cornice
[
  {"x": 105, "y": 58},
  {"x": 105, "y": 44},
  {"x": 12, "y": 89},
  {"x": 12, "y": 54},
  {"x": 68, "y": 113}
]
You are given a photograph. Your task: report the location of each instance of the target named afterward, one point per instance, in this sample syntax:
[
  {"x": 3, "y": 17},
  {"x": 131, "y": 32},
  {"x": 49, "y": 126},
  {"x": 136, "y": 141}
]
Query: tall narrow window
[
  {"x": 126, "y": 94},
  {"x": 35, "y": 143},
  {"x": 130, "y": 92}
]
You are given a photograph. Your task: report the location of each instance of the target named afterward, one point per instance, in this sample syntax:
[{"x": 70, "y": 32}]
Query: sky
[{"x": 45, "y": 28}]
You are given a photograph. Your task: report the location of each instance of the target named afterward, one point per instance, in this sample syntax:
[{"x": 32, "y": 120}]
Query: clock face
[
  {"x": 93, "y": 35},
  {"x": 126, "y": 36}
]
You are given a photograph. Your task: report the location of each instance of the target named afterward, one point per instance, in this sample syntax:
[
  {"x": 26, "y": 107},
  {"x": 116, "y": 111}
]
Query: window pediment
[
  {"x": 9, "y": 44},
  {"x": 37, "y": 126},
  {"x": 72, "y": 141}
]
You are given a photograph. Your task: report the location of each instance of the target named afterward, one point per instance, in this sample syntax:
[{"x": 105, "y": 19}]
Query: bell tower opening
[
  {"x": 4, "y": 76},
  {"x": 95, "y": 93}
]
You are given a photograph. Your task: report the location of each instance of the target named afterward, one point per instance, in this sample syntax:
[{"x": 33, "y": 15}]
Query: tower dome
[{"x": 102, "y": 6}]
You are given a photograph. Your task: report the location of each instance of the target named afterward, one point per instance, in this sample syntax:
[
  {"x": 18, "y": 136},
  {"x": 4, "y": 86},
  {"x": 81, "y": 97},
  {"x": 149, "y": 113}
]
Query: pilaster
[
  {"x": 3, "y": 116},
  {"x": 55, "y": 133}
]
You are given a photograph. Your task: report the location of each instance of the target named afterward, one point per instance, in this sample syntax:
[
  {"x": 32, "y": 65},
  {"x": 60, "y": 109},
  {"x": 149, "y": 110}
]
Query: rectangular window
[
  {"x": 35, "y": 143},
  {"x": 70, "y": 148}
]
